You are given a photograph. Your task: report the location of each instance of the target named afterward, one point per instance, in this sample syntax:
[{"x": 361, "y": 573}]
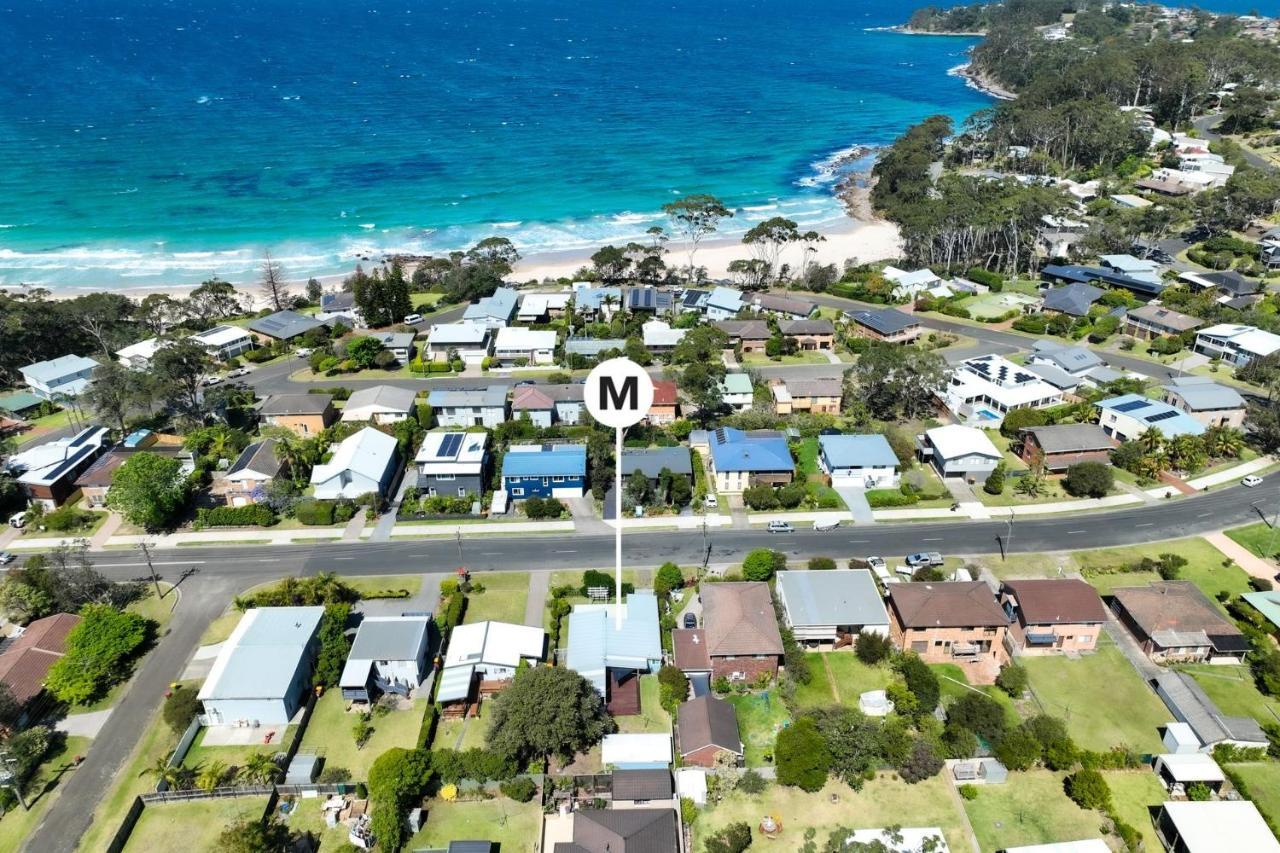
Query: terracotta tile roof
[
  {"x": 959, "y": 604},
  {"x": 738, "y": 619},
  {"x": 665, "y": 393},
  {"x": 1056, "y": 601},
  {"x": 690, "y": 649},
  {"x": 707, "y": 721},
  {"x": 25, "y": 663},
  {"x": 1177, "y": 606},
  {"x": 532, "y": 399}
]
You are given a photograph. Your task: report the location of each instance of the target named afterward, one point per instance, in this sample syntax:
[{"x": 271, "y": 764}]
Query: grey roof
[
  {"x": 1071, "y": 438},
  {"x": 648, "y": 299},
  {"x": 857, "y": 451},
  {"x": 45, "y": 372},
  {"x": 1189, "y": 704},
  {"x": 261, "y": 658},
  {"x": 623, "y": 831},
  {"x": 499, "y": 306},
  {"x": 1073, "y": 299},
  {"x": 830, "y": 387},
  {"x": 296, "y": 404},
  {"x": 395, "y": 340},
  {"x": 806, "y": 327},
  {"x": 785, "y": 304},
  {"x": 446, "y": 398},
  {"x": 1202, "y": 394},
  {"x": 1166, "y": 317},
  {"x": 886, "y": 321},
  {"x": 1103, "y": 374},
  {"x": 259, "y": 457},
  {"x": 1054, "y": 375},
  {"x": 340, "y": 301},
  {"x": 1232, "y": 283},
  {"x": 841, "y": 597},
  {"x": 751, "y": 330},
  {"x": 1072, "y": 359},
  {"x": 651, "y": 461},
  {"x": 283, "y": 325},
  {"x": 393, "y": 397},
  {"x": 655, "y": 784},
  {"x": 391, "y": 638},
  {"x": 592, "y": 346}
]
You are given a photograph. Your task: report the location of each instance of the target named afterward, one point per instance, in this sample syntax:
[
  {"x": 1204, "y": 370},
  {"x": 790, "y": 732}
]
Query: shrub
[
  {"x": 669, "y": 577},
  {"x": 984, "y": 276},
  {"x": 994, "y": 484},
  {"x": 959, "y": 741},
  {"x": 1198, "y": 792},
  {"x": 314, "y": 512},
  {"x": 66, "y": 518},
  {"x": 821, "y": 564},
  {"x": 1021, "y": 419},
  {"x": 734, "y": 838},
  {"x": 688, "y": 811},
  {"x": 98, "y": 650},
  {"x": 871, "y": 648},
  {"x": 253, "y": 515},
  {"x": 752, "y": 783},
  {"x": 1018, "y": 749},
  {"x": 923, "y": 763},
  {"x": 884, "y": 498},
  {"x": 1088, "y": 479},
  {"x": 760, "y": 497},
  {"x": 1089, "y": 790},
  {"x": 978, "y": 713},
  {"x": 921, "y": 682},
  {"x": 1013, "y": 680},
  {"x": 521, "y": 789},
  {"x": 762, "y": 563},
  {"x": 180, "y": 709},
  {"x": 802, "y": 756},
  {"x": 968, "y": 792},
  {"x": 673, "y": 687},
  {"x": 1261, "y": 584},
  {"x": 792, "y": 495}
]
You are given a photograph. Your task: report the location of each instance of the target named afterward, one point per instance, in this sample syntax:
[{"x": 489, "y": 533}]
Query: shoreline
[
  {"x": 983, "y": 83},
  {"x": 908, "y": 31}
]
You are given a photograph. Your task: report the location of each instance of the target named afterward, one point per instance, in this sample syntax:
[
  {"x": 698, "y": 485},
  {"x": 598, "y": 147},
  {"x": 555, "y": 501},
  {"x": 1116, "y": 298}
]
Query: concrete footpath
[{"x": 1245, "y": 559}]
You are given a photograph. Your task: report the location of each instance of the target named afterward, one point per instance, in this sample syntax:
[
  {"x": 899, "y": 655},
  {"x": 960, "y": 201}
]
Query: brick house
[
  {"x": 957, "y": 622},
  {"x": 1060, "y": 446},
  {"x": 303, "y": 414},
  {"x": 1154, "y": 321},
  {"x": 26, "y": 660},
  {"x": 739, "y": 637},
  {"x": 666, "y": 403},
  {"x": 1053, "y": 615},
  {"x": 810, "y": 334},
  {"x": 888, "y": 325},
  {"x": 1175, "y": 621},
  {"x": 818, "y": 396},
  {"x": 705, "y": 727},
  {"x": 750, "y": 335}
]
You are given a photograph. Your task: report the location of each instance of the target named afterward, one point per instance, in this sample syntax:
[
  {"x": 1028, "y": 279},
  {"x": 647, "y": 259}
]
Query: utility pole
[
  {"x": 9, "y": 778},
  {"x": 706, "y": 542},
  {"x": 1008, "y": 537},
  {"x": 1271, "y": 539},
  {"x": 458, "y": 533},
  {"x": 146, "y": 555}
]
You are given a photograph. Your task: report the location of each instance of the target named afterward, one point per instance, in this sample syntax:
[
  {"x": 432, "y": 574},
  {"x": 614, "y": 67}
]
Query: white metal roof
[
  {"x": 367, "y": 452},
  {"x": 444, "y": 334},
  {"x": 220, "y": 336},
  {"x": 1247, "y": 338},
  {"x": 1192, "y": 767},
  {"x": 953, "y": 441},
  {"x": 635, "y": 749},
  {"x": 519, "y": 338},
  {"x": 260, "y": 658},
  {"x": 142, "y": 349},
  {"x": 499, "y": 643},
  {"x": 1218, "y": 825}
]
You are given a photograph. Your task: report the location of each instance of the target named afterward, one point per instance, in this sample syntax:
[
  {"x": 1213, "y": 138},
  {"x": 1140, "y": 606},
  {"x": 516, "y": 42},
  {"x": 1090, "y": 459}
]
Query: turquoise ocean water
[{"x": 150, "y": 144}]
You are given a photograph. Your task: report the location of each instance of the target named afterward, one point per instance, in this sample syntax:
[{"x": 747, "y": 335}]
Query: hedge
[
  {"x": 257, "y": 356},
  {"x": 337, "y": 392},
  {"x": 253, "y": 515},
  {"x": 427, "y": 731},
  {"x": 314, "y": 512},
  {"x": 889, "y": 498}
]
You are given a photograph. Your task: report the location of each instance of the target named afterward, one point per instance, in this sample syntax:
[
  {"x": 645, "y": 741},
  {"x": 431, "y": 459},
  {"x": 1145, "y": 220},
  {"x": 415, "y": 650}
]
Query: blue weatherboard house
[
  {"x": 743, "y": 459},
  {"x": 545, "y": 471}
]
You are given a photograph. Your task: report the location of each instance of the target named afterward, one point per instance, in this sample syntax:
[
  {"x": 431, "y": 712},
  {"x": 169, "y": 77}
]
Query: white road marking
[
  {"x": 566, "y": 552},
  {"x": 1152, "y": 524},
  {"x": 930, "y": 540},
  {"x": 128, "y": 565},
  {"x": 1074, "y": 532},
  {"x": 344, "y": 558}
]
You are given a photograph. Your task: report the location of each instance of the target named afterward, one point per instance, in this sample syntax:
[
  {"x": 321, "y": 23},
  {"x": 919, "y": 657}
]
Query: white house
[
  {"x": 1235, "y": 344},
  {"x": 464, "y": 407},
  {"x": 986, "y": 388},
  {"x": 138, "y": 356},
  {"x": 65, "y": 376},
  {"x": 262, "y": 673},
  {"x": 224, "y": 342},
  {"x": 381, "y": 404},
  {"x": 958, "y": 451},
  {"x": 737, "y": 392},
  {"x": 340, "y": 306},
  {"x": 362, "y": 463},
  {"x": 389, "y": 655},
  {"x": 539, "y": 307},
  {"x": 910, "y": 285},
  {"x": 1214, "y": 826},
  {"x": 469, "y": 340},
  {"x": 486, "y": 651},
  {"x": 827, "y": 607},
  {"x": 493, "y": 311},
  {"x": 636, "y": 751},
  {"x": 535, "y": 346},
  {"x": 660, "y": 337},
  {"x": 724, "y": 303},
  {"x": 858, "y": 461}
]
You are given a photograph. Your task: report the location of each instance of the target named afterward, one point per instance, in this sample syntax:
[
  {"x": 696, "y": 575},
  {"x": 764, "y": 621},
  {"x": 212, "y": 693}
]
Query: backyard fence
[
  {"x": 121, "y": 838},
  {"x": 180, "y": 751},
  {"x": 161, "y": 797}
]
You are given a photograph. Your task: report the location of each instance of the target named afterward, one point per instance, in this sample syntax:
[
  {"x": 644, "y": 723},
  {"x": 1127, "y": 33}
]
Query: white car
[
  {"x": 238, "y": 372},
  {"x": 212, "y": 380},
  {"x": 712, "y": 502},
  {"x": 1251, "y": 480},
  {"x": 303, "y": 352},
  {"x": 781, "y": 527},
  {"x": 6, "y": 558},
  {"x": 410, "y": 319}
]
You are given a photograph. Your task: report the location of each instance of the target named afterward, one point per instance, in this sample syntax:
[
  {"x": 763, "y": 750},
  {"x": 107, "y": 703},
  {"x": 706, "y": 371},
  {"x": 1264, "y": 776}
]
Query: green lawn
[
  {"x": 379, "y": 583},
  {"x": 472, "y": 731},
  {"x": 1258, "y": 538},
  {"x": 503, "y": 599},
  {"x": 1233, "y": 691},
  {"x": 1263, "y": 781},
  {"x": 954, "y": 684},
  {"x": 308, "y": 816},
  {"x": 807, "y": 455},
  {"x": 755, "y": 359},
  {"x": 1204, "y": 566},
  {"x": 193, "y": 825},
  {"x": 1030, "y": 809},
  {"x": 514, "y": 827},
  {"x": 760, "y": 717},
  {"x": 817, "y": 693},
  {"x": 851, "y": 677},
  {"x": 883, "y": 802},
  {"x": 40, "y": 427},
  {"x": 233, "y": 756},
  {"x": 330, "y": 732},
  {"x": 988, "y": 306},
  {"x": 41, "y": 791},
  {"x": 220, "y": 629},
  {"x": 1102, "y": 698},
  {"x": 652, "y": 718},
  {"x": 1133, "y": 791},
  {"x": 425, "y": 300}
]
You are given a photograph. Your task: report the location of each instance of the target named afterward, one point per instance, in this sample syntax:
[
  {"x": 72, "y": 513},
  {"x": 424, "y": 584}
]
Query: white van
[
  {"x": 410, "y": 319},
  {"x": 18, "y": 520}
]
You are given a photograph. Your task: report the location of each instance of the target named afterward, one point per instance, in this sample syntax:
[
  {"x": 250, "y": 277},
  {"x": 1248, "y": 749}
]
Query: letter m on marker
[{"x": 611, "y": 397}]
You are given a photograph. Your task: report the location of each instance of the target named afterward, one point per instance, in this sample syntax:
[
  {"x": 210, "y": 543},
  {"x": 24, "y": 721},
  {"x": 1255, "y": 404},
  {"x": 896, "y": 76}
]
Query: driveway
[
  {"x": 856, "y": 500},
  {"x": 584, "y": 517}
]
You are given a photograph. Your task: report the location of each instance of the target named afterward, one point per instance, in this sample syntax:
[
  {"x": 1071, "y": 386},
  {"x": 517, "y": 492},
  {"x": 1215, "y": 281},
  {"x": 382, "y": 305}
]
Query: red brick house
[
  {"x": 1060, "y": 446},
  {"x": 957, "y": 622},
  {"x": 666, "y": 403},
  {"x": 706, "y": 727},
  {"x": 25, "y": 663},
  {"x": 739, "y": 638},
  {"x": 1053, "y": 615}
]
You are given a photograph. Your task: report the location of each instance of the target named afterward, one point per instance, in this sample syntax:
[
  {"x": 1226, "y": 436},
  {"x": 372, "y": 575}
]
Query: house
[
  {"x": 302, "y": 414},
  {"x": 1077, "y": 361},
  {"x": 952, "y": 622},
  {"x": 1174, "y": 621},
  {"x": 493, "y": 312},
  {"x": 958, "y": 451},
  {"x": 1266, "y": 603},
  {"x": 784, "y": 307},
  {"x": 1139, "y": 268},
  {"x": 1155, "y": 321},
  {"x": 593, "y": 348},
  {"x": 138, "y": 356},
  {"x": 1235, "y": 344},
  {"x": 468, "y": 340},
  {"x": 1228, "y": 283},
  {"x": 452, "y": 463},
  {"x": 1143, "y": 288},
  {"x": 340, "y": 306},
  {"x": 817, "y": 396},
  {"x": 724, "y": 303},
  {"x": 465, "y": 407},
  {"x": 361, "y": 464},
  {"x": 548, "y": 404},
  {"x": 652, "y": 461},
  {"x": 694, "y": 300},
  {"x": 1190, "y": 705},
  {"x": 621, "y": 831},
  {"x": 542, "y": 307},
  {"x": 483, "y": 657},
  {"x": 20, "y": 404},
  {"x": 388, "y": 655},
  {"x": 47, "y": 472},
  {"x": 94, "y": 482},
  {"x": 748, "y": 335},
  {"x": 224, "y": 343},
  {"x": 282, "y": 326},
  {"x": 1130, "y": 415},
  {"x": 810, "y": 335},
  {"x": 736, "y": 391},
  {"x": 740, "y": 459},
  {"x": 1177, "y": 771},
  {"x": 1088, "y": 845},
  {"x": 636, "y": 751},
  {"x": 254, "y": 469},
  {"x": 648, "y": 300},
  {"x": 706, "y": 727},
  {"x": 830, "y": 608},
  {"x": 399, "y": 344},
  {"x": 1059, "y": 447},
  {"x": 1214, "y": 826},
  {"x": 646, "y": 788},
  {"x": 612, "y": 657},
  {"x": 659, "y": 337},
  {"x": 262, "y": 674},
  {"x": 1053, "y": 615},
  {"x": 532, "y": 346},
  {"x": 596, "y": 303},
  {"x": 25, "y": 661},
  {"x": 65, "y": 376},
  {"x": 909, "y": 286},
  {"x": 985, "y": 388},
  {"x": 1130, "y": 201},
  {"x": 1058, "y": 378},
  {"x": 544, "y": 471},
  {"x": 380, "y": 404},
  {"x": 858, "y": 461},
  {"x": 1074, "y": 299},
  {"x": 739, "y": 639},
  {"x": 1206, "y": 401},
  {"x": 666, "y": 403},
  {"x": 887, "y": 325}
]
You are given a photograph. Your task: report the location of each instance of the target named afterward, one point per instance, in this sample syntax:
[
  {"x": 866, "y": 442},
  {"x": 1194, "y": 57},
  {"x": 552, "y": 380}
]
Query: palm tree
[
  {"x": 211, "y": 775},
  {"x": 173, "y": 776},
  {"x": 1151, "y": 441},
  {"x": 1223, "y": 441},
  {"x": 259, "y": 769},
  {"x": 1186, "y": 453}
]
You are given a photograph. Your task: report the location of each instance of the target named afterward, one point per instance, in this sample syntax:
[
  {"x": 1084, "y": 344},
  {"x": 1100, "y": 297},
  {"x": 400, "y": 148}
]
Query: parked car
[
  {"x": 6, "y": 558},
  {"x": 1251, "y": 480},
  {"x": 303, "y": 352},
  {"x": 822, "y": 526},
  {"x": 410, "y": 319},
  {"x": 875, "y": 563},
  {"x": 18, "y": 520},
  {"x": 212, "y": 380},
  {"x": 781, "y": 527},
  {"x": 712, "y": 502},
  {"x": 524, "y": 382},
  {"x": 238, "y": 372},
  {"x": 924, "y": 558},
  {"x": 690, "y": 620}
]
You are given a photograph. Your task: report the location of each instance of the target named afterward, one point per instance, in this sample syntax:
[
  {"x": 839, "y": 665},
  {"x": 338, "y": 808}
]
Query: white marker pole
[{"x": 618, "y": 393}]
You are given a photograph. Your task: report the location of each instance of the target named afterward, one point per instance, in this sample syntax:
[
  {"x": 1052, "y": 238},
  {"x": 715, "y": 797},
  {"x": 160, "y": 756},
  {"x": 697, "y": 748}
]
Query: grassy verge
[
  {"x": 41, "y": 791},
  {"x": 1205, "y": 566},
  {"x": 503, "y": 599},
  {"x": 330, "y": 732}
]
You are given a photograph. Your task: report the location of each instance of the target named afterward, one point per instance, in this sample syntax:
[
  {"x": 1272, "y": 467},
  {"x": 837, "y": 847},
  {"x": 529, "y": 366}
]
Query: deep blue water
[{"x": 146, "y": 144}]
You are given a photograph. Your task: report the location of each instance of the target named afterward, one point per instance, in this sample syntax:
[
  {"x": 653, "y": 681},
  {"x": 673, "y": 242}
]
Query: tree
[
  {"x": 383, "y": 296},
  {"x": 259, "y": 768},
  {"x": 1089, "y": 790},
  {"x": 734, "y": 838},
  {"x": 212, "y": 301},
  {"x": 1088, "y": 479},
  {"x": 994, "y": 484},
  {"x": 979, "y": 713},
  {"x": 637, "y": 488},
  {"x": 255, "y": 836},
  {"x": 681, "y": 491},
  {"x": 921, "y": 682},
  {"x": 334, "y": 645},
  {"x": 802, "y": 756},
  {"x": 314, "y": 291},
  {"x": 364, "y": 350},
  {"x": 923, "y": 763},
  {"x": 395, "y": 778},
  {"x": 180, "y": 370},
  {"x": 668, "y": 577},
  {"x": 180, "y": 709},
  {"x": 273, "y": 284},
  {"x": 674, "y": 687},
  {"x": 62, "y": 580},
  {"x": 611, "y": 264},
  {"x": 113, "y": 393},
  {"x": 701, "y": 384},
  {"x": 695, "y": 217},
  {"x": 767, "y": 240},
  {"x": 97, "y": 650},
  {"x": 894, "y": 382},
  {"x": 1018, "y": 749},
  {"x": 148, "y": 490},
  {"x": 871, "y": 648},
  {"x": 546, "y": 711},
  {"x": 762, "y": 563},
  {"x": 1020, "y": 419},
  {"x": 1013, "y": 679}
]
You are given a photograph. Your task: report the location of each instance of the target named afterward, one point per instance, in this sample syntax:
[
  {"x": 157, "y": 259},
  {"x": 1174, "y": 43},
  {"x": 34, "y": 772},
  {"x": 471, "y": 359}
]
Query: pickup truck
[{"x": 924, "y": 558}]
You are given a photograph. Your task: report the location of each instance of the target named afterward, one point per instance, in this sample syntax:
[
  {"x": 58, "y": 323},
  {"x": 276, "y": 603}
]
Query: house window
[
  {"x": 557, "y": 479},
  {"x": 517, "y": 492},
  {"x": 462, "y": 492},
  {"x": 445, "y": 478},
  {"x": 1085, "y": 638},
  {"x": 920, "y": 647}
]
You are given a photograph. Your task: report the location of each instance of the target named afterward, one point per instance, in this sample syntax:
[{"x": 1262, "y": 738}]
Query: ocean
[{"x": 158, "y": 144}]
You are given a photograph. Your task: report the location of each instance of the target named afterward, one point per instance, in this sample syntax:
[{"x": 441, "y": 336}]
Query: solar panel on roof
[
  {"x": 1163, "y": 416},
  {"x": 449, "y": 446},
  {"x": 1132, "y": 405}
]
